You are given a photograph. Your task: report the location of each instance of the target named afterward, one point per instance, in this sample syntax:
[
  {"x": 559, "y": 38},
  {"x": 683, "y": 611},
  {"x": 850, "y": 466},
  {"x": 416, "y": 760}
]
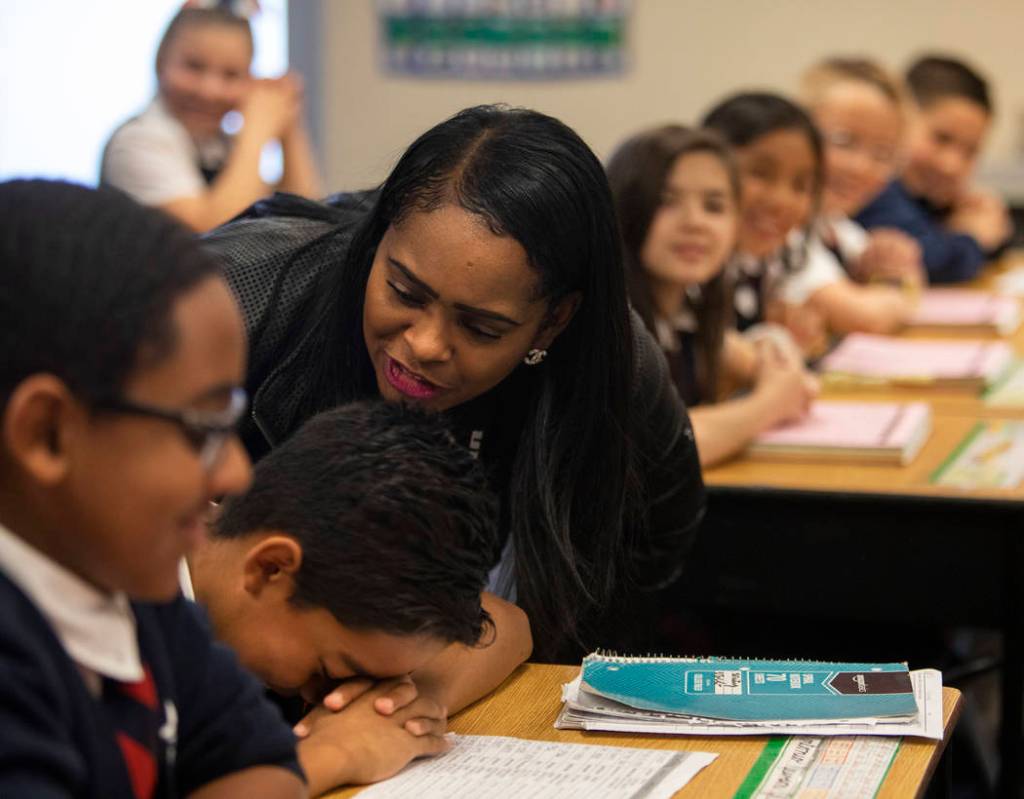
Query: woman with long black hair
[{"x": 484, "y": 280}]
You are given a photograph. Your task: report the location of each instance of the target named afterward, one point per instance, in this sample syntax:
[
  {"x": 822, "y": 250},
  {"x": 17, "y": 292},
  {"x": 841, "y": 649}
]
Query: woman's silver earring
[{"x": 534, "y": 357}]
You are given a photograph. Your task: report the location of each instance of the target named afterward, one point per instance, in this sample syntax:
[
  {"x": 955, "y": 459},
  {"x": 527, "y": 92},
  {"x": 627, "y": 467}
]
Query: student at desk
[
  {"x": 484, "y": 281},
  {"x": 175, "y": 155},
  {"x": 782, "y": 171},
  {"x": 677, "y": 196},
  {"x": 123, "y": 351},
  {"x": 355, "y": 560},
  {"x": 958, "y": 226},
  {"x": 858, "y": 107}
]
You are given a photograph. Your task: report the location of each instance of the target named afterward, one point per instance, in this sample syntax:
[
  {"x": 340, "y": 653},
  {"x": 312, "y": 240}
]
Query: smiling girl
[
  {"x": 175, "y": 155},
  {"x": 782, "y": 169},
  {"x": 484, "y": 281},
  {"x": 677, "y": 196}
]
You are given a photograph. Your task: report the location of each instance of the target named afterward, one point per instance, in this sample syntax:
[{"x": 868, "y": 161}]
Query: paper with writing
[{"x": 515, "y": 768}]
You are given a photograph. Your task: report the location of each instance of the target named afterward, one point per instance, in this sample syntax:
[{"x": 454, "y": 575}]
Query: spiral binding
[{"x": 611, "y": 656}]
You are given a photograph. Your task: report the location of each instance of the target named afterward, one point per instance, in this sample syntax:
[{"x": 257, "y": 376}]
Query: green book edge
[
  {"x": 957, "y": 451},
  {"x": 761, "y": 767}
]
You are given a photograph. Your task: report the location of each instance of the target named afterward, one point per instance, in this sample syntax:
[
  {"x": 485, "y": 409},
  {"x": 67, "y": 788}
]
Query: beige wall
[{"x": 685, "y": 55}]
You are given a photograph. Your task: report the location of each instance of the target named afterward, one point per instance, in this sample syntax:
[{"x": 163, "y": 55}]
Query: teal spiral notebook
[{"x": 752, "y": 690}]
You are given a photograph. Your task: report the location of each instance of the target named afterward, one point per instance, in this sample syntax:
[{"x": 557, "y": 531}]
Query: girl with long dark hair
[
  {"x": 677, "y": 195},
  {"x": 484, "y": 280}
]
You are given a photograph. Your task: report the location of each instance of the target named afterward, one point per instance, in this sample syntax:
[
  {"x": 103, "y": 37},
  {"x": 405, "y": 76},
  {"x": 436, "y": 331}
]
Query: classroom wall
[{"x": 685, "y": 55}]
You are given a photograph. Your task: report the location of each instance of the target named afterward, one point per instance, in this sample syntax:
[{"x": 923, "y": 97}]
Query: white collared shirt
[
  {"x": 185, "y": 580},
  {"x": 97, "y": 629},
  {"x": 153, "y": 157}
]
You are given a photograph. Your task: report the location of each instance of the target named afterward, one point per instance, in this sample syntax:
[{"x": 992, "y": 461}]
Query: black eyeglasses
[{"x": 206, "y": 431}]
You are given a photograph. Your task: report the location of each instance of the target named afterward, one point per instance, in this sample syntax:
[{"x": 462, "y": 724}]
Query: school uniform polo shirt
[
  {"x": 153, "y": 158},
  {"x": 949, "y": 256}
]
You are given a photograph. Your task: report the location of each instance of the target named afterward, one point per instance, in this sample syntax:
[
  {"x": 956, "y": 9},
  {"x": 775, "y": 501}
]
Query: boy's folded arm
[
  {"x": 949, "y": 256},
  {"x": 461, "y": 674},
  {"x": 257, "y": 782}
]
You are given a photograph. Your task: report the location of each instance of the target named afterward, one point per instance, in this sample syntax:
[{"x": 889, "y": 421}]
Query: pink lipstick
[{"x": 408, "y": 383}]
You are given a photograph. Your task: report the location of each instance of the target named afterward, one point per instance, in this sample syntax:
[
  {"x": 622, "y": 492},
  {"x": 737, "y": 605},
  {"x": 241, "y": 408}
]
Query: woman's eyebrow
[
  {"x": 412, "y": 278},
  {"x": 427, "y": 289},
  {"x": 497, "y": 317}
]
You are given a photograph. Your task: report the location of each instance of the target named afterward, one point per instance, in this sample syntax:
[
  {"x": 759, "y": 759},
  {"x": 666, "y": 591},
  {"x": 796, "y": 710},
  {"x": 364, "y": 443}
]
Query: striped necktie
[{"x": 134, "y": 709}]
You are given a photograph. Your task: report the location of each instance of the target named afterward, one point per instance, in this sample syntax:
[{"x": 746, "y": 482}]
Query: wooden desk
[
  {"x": 804, "y": 539},
  {"x": 912, "y": 480},
  {"x": 526, "y": 705}
]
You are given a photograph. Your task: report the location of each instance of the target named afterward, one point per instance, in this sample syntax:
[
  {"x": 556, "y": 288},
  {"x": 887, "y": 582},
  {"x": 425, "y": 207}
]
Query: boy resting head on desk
[
  {"x": 123, "y": 351},
  {"x": 351, "y": 574}
]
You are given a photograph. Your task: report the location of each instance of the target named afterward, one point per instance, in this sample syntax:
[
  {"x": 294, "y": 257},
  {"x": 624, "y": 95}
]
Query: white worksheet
[{"x": 515, "y": 768}]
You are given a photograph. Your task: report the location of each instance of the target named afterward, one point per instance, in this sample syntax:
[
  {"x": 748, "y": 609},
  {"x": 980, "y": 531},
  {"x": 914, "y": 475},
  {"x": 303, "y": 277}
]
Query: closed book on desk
[
  {"x": 866, "y": 360},
  {"x": 872, "y": 432},
  {"x": 967, "y": 311},
  {"x": 752, "y": 690}
]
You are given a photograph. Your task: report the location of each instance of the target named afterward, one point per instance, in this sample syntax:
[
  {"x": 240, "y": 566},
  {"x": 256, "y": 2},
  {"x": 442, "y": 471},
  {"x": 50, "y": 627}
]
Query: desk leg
[
  {"x": 1011, "y": 731},
  {"x": 941, "y": 785}
]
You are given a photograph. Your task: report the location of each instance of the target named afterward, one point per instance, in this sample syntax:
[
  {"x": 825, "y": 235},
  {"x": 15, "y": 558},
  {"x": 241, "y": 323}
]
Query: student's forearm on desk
[
  {"x": 725, "y": 428},
  {"x": 461, "y": 674},
  {"x": 258, "y": 782},
  {"x": 849, "y": 307},
  {"x": 236, "y": 187}
]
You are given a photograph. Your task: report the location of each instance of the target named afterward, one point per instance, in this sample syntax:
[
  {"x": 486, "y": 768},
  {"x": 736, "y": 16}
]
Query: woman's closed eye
[
  {"x": 481, "y": 332},
  {"x": 406, "y": 296}
]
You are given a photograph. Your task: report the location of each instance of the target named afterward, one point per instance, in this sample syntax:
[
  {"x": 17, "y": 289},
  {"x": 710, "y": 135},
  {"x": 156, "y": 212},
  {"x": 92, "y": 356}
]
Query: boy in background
[
  {"x": 123, "y": 355},
  {"x": 958, "y": 226},
  {"x": 356, "y": 559}
]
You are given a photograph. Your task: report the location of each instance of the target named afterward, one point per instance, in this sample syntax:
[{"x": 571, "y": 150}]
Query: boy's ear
[
  {"x": 38, "y": 426},
  {"x": 271, "y": 565},
  {"x": 557, "y": 320}
]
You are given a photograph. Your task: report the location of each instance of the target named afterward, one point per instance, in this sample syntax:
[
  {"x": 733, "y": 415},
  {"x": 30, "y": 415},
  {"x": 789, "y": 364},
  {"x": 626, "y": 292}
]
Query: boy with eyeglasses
[
  {"x": 957, "y": 226},
  {"x": 858, "y": 107},
  {"x": 119, "y": 388}
]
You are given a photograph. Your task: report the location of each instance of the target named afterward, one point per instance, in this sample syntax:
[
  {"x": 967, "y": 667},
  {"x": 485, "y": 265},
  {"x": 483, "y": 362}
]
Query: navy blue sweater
[
  {"x": 949, "y": 257},
  {"x": 56, "y": 740}
]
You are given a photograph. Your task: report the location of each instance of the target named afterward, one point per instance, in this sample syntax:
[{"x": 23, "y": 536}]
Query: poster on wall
[{"x": 504, "y": 39}]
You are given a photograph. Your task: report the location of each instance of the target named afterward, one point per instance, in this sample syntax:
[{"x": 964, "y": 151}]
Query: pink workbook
[
  {"x": 881, "y": 431},
  {"x": 918, "y": 361},
  {"x": 961, "y": 308}
]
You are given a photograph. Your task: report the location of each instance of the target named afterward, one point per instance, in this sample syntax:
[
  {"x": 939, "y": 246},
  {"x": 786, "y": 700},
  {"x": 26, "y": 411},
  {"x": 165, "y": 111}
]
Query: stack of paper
[
  {"x": 968, "y": 311},
  {"x": 875, "y": 432},
  {"x": 863, "y": 358},
  {"x": 718, "y": 696}
]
